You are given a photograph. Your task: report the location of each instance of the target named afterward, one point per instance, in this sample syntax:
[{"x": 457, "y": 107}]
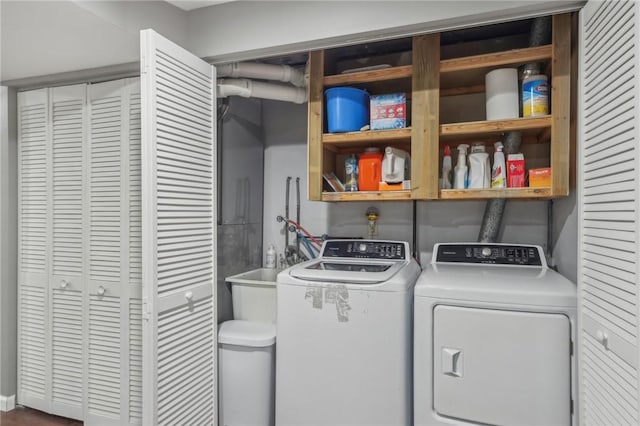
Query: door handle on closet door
[
  {"x": 64, "y": 284},
  {"x": 603, "y": 338},
  {"x": 101, "y": 291},
  {"x": 452, "y": 362}
]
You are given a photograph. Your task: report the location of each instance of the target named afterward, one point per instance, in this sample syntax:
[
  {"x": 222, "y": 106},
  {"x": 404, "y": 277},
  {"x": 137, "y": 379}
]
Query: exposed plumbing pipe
[
  {"x": 286, "y": 215},
  {"x": 257, "y": 89},
  {"x": 298, "y": 213},
  {"x": 283, "y": 73},
  {"x": 494, "y": 211}
]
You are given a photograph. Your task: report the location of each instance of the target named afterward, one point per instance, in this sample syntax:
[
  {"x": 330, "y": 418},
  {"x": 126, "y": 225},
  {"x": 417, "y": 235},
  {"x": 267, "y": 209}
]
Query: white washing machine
[
  {"x": 494, "y": 337},
  {"x": 344, "y": 328}
]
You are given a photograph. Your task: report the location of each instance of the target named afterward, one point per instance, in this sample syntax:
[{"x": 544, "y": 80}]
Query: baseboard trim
[{"x": 7, "y": 403}]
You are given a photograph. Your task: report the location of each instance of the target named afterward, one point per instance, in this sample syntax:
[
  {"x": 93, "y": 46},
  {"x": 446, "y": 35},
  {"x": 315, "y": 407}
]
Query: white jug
[{"x": 395, "y": 165}]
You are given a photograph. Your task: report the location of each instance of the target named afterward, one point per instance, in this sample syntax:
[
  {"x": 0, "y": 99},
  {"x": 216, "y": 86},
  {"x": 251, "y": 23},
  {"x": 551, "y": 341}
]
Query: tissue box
[
  {"x": 388, "y": 111},
  {"x": 540, "y": 178}
]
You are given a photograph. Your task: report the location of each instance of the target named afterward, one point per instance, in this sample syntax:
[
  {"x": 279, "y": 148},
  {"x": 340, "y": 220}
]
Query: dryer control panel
[
  {"x": 498, "y": 254},
  {"x": 365, "y": 249}
]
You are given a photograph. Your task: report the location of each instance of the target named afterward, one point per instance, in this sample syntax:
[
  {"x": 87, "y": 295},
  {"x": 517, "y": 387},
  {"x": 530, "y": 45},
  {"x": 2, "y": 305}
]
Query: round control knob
[
  {"x": 486, "y": 252},
  {"x": 362, "y": 247}
]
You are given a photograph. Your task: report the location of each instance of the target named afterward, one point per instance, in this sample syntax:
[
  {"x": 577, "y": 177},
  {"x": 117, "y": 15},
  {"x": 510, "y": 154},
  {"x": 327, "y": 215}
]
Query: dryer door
[{"x": 502, "y": 367}]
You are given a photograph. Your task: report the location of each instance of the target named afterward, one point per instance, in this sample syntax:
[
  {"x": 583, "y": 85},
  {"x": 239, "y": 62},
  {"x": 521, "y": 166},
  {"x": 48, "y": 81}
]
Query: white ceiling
[{"x": 195, "y": 4}]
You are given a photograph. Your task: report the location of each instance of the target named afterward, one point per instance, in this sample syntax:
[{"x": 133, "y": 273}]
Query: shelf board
[
  {"x": 490, "y": 60},
  {"x": 391, "y": 73},
  {"x": 367, "y": 196},
  {"x": 530, "y": 126},
  {"x": 470, "y": 71},
  {"x": 480, "y": 194},
  {"x": 351, "y": 139}
]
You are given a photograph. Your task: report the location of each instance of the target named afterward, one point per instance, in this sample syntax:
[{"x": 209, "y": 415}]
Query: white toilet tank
[{"x": 254, "y": 295}]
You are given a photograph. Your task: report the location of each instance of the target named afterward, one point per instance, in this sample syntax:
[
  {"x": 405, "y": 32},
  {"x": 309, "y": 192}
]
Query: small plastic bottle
[
  {"x": 270, "y": 261},
  {"x": 351, "y": 173}
]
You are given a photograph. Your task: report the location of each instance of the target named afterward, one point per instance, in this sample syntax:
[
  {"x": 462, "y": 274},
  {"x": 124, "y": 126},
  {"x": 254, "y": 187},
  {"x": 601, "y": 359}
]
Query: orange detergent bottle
[{"x": 370, "y": 169}]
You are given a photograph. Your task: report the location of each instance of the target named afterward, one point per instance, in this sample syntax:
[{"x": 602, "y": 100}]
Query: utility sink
[{"x": 258, "y": 277}]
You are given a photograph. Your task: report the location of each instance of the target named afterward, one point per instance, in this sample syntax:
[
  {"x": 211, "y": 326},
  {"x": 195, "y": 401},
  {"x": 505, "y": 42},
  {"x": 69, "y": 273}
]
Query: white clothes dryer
[
  {"x": 344, "y": 328},
  {"x": 494, "y": 333}
]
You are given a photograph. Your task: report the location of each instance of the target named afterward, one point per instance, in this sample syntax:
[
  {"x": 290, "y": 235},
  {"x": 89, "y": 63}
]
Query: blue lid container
[{"x": 347, "y": 109}]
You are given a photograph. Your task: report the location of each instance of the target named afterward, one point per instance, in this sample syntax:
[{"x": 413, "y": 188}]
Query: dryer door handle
[{"x": 452, "y": 362}]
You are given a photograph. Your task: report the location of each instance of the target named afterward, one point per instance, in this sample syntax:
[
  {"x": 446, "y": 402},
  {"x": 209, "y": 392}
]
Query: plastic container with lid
[
  {"x": 480, "y": 169},
  {"x": 246, "y": 365},
  {"x": 370, "y": 169},
  {"x": 535, "y": 92}
]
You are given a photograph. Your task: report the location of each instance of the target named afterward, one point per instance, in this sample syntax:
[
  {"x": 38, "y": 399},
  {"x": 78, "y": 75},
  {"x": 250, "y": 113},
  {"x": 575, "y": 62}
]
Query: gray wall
[
  {"x": 45, "y": 38},
  {"x": 41, "y": 38},
  {"x": 8, "y": 241},
  {"x": 439, "y": 221},
  {"x": 240, "y": 231}
]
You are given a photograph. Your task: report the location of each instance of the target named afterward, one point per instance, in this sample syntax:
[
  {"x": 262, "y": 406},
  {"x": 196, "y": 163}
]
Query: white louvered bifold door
[
  {"x": 34, "y": 239},
  {"x": 609, "y": 166},
  {"x": 113, "y": 237},
  {"x": 132, "y": 90},
  {"x": 178, "y": 235},
  {"x": 68, "y": 126}
]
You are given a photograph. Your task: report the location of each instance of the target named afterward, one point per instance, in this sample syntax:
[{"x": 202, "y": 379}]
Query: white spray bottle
[
  {"x": 446, "y": 169},
  {"x": 460, "y": 178},
  {"x": 499, "y": 170}
]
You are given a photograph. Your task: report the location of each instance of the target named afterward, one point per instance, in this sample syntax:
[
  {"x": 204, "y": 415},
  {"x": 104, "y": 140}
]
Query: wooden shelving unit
[
  {"x": 367, "y": 196},
  {"x": 478, "y": 194},
  {"x": 426, "y": 81}
]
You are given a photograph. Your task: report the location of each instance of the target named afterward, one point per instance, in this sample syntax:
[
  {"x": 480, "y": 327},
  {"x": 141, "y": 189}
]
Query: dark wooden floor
[{"x": 22, "y": 416}]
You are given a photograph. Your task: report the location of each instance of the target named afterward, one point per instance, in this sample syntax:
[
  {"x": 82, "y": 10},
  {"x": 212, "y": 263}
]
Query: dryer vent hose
[{"x": 494, "y": 211}]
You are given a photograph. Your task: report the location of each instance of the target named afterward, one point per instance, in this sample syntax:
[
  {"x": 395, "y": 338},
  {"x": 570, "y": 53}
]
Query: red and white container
[{"x": 515, "y": 170}]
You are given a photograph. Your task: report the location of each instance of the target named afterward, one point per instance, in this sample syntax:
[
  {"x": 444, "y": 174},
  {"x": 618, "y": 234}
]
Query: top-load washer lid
[
  {"x": 355, "y": 261},
  {"x": 339, "y": 270}
]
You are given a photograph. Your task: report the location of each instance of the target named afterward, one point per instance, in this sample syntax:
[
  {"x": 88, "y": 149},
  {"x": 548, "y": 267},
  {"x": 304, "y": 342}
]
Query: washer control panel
[
  {"x": 365, "y": 249},
  {"x": 498, "y": 254}
]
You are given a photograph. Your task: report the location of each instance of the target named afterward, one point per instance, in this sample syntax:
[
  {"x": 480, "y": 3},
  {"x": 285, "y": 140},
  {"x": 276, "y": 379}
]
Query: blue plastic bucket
[{"x": 347, "y": 109}]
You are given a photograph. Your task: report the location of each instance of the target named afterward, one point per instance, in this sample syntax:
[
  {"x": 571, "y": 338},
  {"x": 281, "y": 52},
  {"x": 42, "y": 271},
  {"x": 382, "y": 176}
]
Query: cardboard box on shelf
[
  {"x": 388, "y": 111},
  {"x": 515, "y": 170},
  {"x": 540, "y": 178}
]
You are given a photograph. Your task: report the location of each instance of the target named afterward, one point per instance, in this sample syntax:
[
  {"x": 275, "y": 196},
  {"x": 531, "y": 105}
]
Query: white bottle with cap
[
  {"x": 480, "y": 170},
  {"x": 270, "y": 261}
]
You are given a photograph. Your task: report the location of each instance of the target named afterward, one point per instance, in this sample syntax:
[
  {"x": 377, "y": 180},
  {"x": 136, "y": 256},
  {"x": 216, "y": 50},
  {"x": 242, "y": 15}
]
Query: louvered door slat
[
  {"x": 609, "y": 215},
  {"x": 178, "y": 248}
]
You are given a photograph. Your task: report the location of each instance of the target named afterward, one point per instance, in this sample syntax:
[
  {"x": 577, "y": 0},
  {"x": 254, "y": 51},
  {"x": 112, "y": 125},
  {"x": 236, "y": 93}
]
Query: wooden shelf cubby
[{"x": 426, "y": 81}]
